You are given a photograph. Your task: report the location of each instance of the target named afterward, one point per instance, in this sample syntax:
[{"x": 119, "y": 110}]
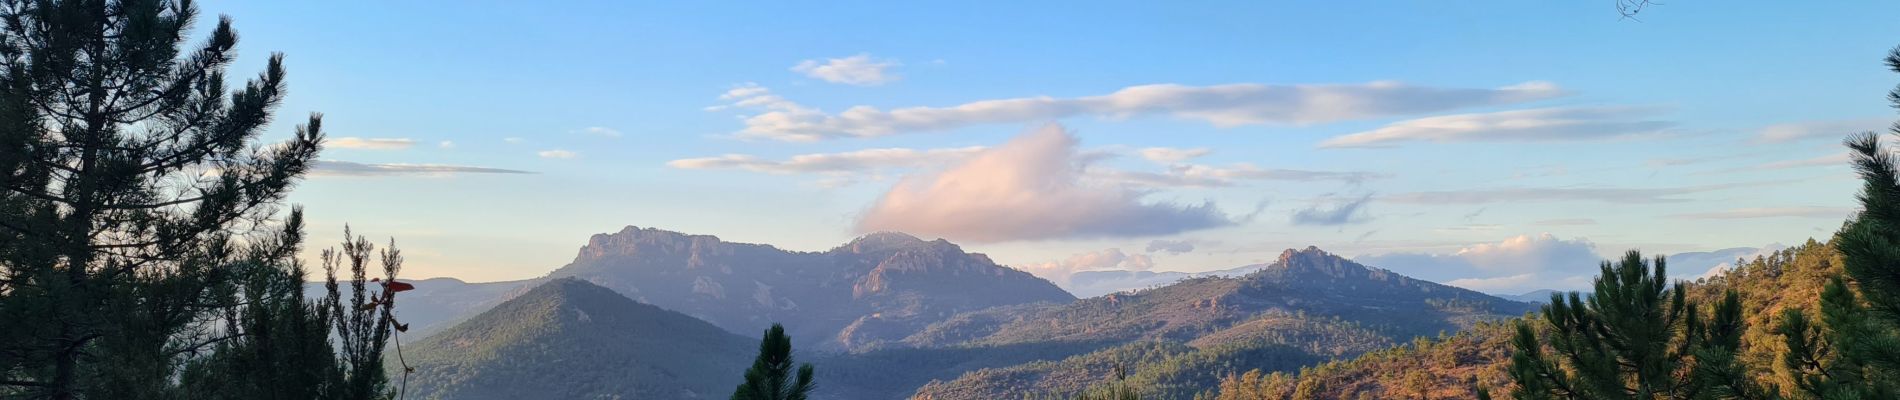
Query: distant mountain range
[
  {"x": 1096, "y": 283},
  {"x": 891, "y": 316}
]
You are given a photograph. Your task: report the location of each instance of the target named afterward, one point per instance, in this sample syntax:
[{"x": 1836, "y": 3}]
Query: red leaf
[{"x": 395, "y": 286}]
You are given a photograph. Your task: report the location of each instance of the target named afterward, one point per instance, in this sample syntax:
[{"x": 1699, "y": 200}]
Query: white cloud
[
  {"x": 1831, "y": 160},
  {"x": 446, "y": 144},
  {"x": 1834, "y": 129},
  {"x": 1221, "y": 105},
  {"x": 859, "y": 70},
  {"x": 1566, "y": 222},
  {"x": 600, "y": 131},
  {"x": 1168, "y": 155},
  {"x": 845, "y": 162},
  {"x": 514, "y": 140},
  {"x": 557, "y": 153},
  {"x": 1514, "y": 265},
  {"x": 1027, "y": 189},
  {"x": 1059, "y": 271},
  {"x": 348, "y": 168},
  {"x": 369, "y": 143},
  {"x": 1772, "y": 212},
  {"x": 1543, "y": 124}
]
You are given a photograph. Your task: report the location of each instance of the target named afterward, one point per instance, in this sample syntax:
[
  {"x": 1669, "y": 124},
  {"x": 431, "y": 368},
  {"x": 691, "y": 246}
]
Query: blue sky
[{"x": 1495, "y": 127}]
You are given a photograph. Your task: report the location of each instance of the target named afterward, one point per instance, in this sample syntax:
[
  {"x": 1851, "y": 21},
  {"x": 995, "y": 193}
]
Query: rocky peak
[
  {"x": 634, "y": 240},
  {"x": 878, "y": 242}
]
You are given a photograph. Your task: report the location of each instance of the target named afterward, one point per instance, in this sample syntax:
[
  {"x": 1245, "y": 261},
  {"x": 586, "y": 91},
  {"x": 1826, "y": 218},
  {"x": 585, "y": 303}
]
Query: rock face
[
  {"x": 569, "y": 339},
  {"x": 872, "y": 291}
]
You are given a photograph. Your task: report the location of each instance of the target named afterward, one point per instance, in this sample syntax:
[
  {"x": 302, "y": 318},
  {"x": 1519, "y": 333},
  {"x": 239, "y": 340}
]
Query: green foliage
[
  {"x": 770, "y": 377},
  {"x": 1633, "y": 338}
]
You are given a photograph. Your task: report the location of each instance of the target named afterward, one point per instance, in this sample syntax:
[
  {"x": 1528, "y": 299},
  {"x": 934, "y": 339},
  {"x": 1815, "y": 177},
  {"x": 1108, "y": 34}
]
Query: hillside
[
  {"x": 876, "y": 289},
  {"x": 1446, "y": 367},
  {"x": 1177, "y": 340},
  {"x": 1301, "y": 282},
  {"x": 571, "y": 339}
]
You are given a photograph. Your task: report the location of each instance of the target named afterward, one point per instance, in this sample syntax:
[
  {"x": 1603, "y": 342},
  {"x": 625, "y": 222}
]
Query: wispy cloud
[
  {"x": 1543, "y": 124},
  {"x": 1167, "y": 155},
  {"x": 557, "y": 153},
  {"x": 1029, "y": 188},
  {"x": 1334, "y": 213},
  {"x": 845, "y": 162},
  {"x": 1830, "y": 129},
  {"x": 348, "y": 168},
  {"x": 859, "y": 70},
  {"x": 446, "y": 144},
  {"x": 1170, "y": 246},
  {"x": 1772, "y": 212},
  {"x": 1526, "y": 194},
  {"x": 1221, "y": 105},
  {"x": 600, "y": 131},
  {"x": 1196, "y": 175},
  {"x": 369, "y": 143}
]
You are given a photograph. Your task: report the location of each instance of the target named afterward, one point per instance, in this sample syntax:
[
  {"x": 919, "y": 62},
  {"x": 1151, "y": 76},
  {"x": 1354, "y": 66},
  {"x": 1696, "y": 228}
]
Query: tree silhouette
[{"x": 770, "y": 377}]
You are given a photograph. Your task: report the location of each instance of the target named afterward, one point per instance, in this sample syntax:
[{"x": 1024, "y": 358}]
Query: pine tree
[
  {"x": 1634, "y": 337},
  {"x": 770, "y": 377},
  {"x": 1855, "y": 350},
  {"x": 129, "y": 174}
]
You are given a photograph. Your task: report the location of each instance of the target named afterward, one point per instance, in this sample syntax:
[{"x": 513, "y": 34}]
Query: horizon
[{"x": 1140, "y": 137}]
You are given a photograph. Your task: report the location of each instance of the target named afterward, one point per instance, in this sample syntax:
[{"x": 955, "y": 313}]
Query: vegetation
[
  {"x": 139, "y": 238},
  {"x": 770, "y": 377}
]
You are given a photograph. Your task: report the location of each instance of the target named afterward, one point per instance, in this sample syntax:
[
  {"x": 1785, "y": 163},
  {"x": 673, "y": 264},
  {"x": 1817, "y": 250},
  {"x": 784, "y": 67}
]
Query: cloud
[
  {"x": 1196, "y": 175},
  {"x": 1771, "y": 212},
  {"x": 1514, "y": 265},
  {"x": 1341, "y": 212},
  {"x": 858, "y": 70},
  {"x": 1566, "y": 222},
  {"x": 845, "y": 162},
  {"x": 1520, "y": 194},
  {"x": 1027, "y": 189},
  {"x": 1167, "y": 155},
  {"x": 600, "y": 131},
  {"x": 1222, "y": 105},
  {"x": 557, "y": 153},
  {"x": 1831, "y": 160},
  {"x": 1059, "y": 271},
  {"x": 348, "y": 168},
  {"x": 1834, "y": 129},
  {"x": 369, "y": 143},
  {"x": 1170, "y": 246},
  {"x": 446, "y": 144},
  {"x": 1534, "y": 125}
]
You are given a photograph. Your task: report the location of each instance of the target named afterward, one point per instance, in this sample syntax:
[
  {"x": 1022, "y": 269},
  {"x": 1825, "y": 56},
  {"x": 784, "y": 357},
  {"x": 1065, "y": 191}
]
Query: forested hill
[
  {"x": 1446, "y": 368},
  {"x": 569, "y": 339}
]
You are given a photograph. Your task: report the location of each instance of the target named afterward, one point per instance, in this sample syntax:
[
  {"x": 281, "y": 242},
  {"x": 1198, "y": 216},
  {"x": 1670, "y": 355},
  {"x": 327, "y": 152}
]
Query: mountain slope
[
  {"x": 869, "y": 292},
  {"x": 1308, "y": 282},
  {"x": 571, "y": 339}
]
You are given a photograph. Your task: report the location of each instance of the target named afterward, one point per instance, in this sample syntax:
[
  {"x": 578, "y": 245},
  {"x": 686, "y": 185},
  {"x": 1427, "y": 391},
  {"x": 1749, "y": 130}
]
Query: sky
[{"x": 1512, "y": 142}]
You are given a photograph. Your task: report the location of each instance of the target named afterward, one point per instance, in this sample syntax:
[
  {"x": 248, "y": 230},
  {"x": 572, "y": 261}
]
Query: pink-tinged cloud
[{"x": 1030, "y": 188}]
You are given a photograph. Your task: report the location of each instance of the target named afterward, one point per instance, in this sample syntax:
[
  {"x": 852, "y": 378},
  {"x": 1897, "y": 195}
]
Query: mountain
[
  {"x": 1307, "y": 307},
  {"x": 1101, "y": 282},
  {"x": 1308, "y": 281},
  {"x": 872, "y": 291},
  {"x": 1445, "y": 368},
  {"x": 1540, "y": 296},
  {"x": 567, "y": 338}
]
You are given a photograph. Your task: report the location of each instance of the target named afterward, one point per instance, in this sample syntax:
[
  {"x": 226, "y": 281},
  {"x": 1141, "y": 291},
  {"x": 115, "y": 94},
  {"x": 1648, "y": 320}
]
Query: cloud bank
[
  {"x": 1029, "y": 188},
  {"x": 1222, "y": 105}
]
